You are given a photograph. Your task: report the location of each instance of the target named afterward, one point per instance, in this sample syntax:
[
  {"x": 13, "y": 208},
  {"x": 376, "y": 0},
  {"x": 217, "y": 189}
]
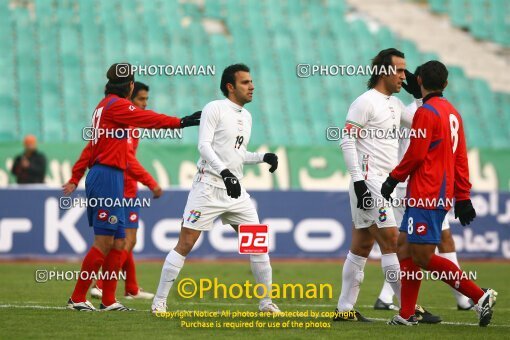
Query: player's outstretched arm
[
  {"x": 124, "y": 112},
  {"x": 191, "y": 120}
]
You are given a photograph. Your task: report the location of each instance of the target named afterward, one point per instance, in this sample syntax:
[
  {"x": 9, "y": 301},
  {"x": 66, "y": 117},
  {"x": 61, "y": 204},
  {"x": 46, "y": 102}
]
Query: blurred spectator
[{"x": 30, "y": 167}]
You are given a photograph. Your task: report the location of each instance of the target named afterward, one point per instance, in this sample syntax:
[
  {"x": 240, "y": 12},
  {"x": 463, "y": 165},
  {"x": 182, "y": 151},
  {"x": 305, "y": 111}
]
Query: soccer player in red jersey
[
  {"x": 134, "y": 173},
  {"x": 447, "y": 246},
  {"x": 108, "y": 161},
  {"x": 438, "y": 168}
]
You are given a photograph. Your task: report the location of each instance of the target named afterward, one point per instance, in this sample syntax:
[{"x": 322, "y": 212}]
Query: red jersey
[
  {"x": 134, "y": 173},
  {"x": 114, "y": 114},
  {"x": 437, "y": 163}
]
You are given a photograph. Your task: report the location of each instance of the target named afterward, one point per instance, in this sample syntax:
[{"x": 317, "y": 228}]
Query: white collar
[
  {"x": 382, "y": 94},
  {"x": 236, "y": 107}
]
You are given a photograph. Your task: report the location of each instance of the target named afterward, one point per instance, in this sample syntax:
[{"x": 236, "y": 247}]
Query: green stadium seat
[
  {"x": 439, "y": 6},
  {"x": 479, "y": 26},
  {"x": 500, "y": 21},
  {"x": 28, "y": 104},
  {"x": 459, "y": 12},
  {"x": 386, "y": 38},
  {"x": 214, "y": 9}
]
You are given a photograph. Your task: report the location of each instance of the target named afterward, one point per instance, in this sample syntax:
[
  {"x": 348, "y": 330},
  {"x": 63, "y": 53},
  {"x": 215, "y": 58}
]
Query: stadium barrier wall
[
  {"x": 303, "y": 225},
  {"x": 300, "y": 167}
]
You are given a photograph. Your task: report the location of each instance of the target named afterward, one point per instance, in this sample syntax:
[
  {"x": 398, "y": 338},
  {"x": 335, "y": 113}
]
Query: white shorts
[
  {"x": 206, "y": 203},
  {"x": 399, "y": 211},
  {"x": 380, "y": 215}
]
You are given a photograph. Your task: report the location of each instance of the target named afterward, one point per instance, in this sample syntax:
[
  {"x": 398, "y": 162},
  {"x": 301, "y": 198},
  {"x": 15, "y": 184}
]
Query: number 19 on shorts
[{"x": 253, "y": 239}]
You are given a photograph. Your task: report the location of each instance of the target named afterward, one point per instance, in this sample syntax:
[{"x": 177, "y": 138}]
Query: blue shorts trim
[
  {"x": 104, "y": 182},
  {"x": 132, "y": 214},
  {"x": 423, "y": 225}
]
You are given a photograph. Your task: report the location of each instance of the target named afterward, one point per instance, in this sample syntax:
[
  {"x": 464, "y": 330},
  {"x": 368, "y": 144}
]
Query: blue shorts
[
  {"x": 132, "y": 214},
  {"x": 105, "y": 182},
  {"x": 423, "y": 225}
]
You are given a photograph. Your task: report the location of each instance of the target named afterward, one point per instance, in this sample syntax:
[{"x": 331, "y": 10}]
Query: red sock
[
  {"x": 111, "y": 269},
  {"x": 123, "y": 257},
  {"x": 99, "y": 283},
  {"x": 91, "y": 264},
  {"x": 447, "y": 268},
  {"x": 129, "y": 267},
  {"x": 410, "y": 287}
]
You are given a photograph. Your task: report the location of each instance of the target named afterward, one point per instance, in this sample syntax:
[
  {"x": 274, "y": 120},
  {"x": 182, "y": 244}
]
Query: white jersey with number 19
[{"x": 225, "y": 130}]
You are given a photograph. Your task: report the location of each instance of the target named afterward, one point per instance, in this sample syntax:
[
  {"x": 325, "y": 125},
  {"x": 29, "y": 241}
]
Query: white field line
[{"x": 24, "y": 306}]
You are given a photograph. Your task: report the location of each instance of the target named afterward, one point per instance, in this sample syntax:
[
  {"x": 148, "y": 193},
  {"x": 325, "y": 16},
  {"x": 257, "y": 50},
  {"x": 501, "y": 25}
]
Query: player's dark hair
[
  {"x": 139, "y": 86},
  {"x": 228, "y": 76},
  {"x": 433, "y": 75},
  {"x": 119, "y": 78},
  {"x": 380, "y": 61}
]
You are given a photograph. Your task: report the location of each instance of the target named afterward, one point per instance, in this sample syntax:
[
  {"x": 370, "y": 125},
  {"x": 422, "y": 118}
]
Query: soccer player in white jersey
[
  {"x": 368, "y": 159},
  {"x": 447, "y": 246},
  {"x": 224, "y": 134}
]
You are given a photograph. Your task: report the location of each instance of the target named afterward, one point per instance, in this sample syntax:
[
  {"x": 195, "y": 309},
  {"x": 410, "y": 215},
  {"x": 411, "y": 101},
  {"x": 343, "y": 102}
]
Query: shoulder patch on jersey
[
  {"x": 110, "y": 102},
  {"x": 430, "y": 108}
]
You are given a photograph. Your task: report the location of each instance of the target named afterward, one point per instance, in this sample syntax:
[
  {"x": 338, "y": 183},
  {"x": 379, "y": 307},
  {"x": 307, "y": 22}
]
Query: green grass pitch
[{"x": 35, "y": 310}]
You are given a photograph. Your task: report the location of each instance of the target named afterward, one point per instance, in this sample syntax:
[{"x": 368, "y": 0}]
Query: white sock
[
  {"x": 391, "y": 270},
  {"x": 352, "y": 277},
  {"x": 387, "y": 293},
  {"x": 263, "y": 273},
  {"x": 171, "y": 268},
  {"x": 462, "y": 300}
]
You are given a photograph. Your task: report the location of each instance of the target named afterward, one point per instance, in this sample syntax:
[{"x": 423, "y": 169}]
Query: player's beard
[{"x": 248, "y": 99}]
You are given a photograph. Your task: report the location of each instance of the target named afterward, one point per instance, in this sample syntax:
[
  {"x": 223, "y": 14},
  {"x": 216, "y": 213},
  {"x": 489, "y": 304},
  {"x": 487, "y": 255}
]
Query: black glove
[
  {"x": 412, "y": 86},
  {"x": 192, "y": 120},
  {"x": 365, "y": 200},
  {"x": 231, "y": 183},
  {"x": 388, "y": 187},
  {"x": 465, "y": 212},
  {"x": 272, "y": 159}
]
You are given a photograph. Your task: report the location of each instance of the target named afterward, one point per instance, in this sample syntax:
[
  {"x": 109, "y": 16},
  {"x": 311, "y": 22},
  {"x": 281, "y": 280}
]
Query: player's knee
[
  {"x": 119, "y": 243},
  {"x": 389, "y": 244}
]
